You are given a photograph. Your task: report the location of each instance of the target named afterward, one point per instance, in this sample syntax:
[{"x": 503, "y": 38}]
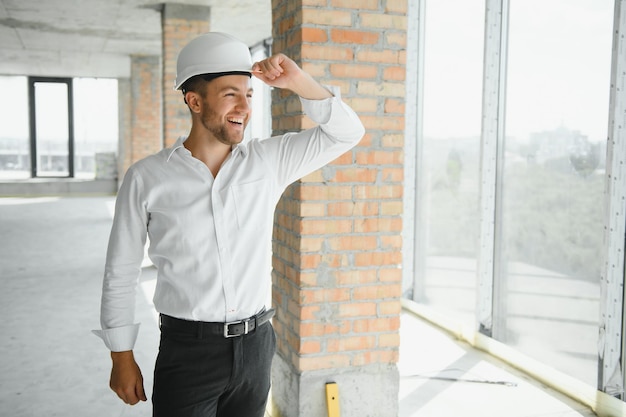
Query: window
[
  {"x": 446, "y": 268},
  {"x": 559, "y": 67},
  {"x": 56, "y": 127},
  {"x": 509, "y": 218},
  {"x": 14, "y": 125},
  {"x": 260, "y": 125},
  {"x": 52, "y": 138},
  {"x": 96, "y": 126}
]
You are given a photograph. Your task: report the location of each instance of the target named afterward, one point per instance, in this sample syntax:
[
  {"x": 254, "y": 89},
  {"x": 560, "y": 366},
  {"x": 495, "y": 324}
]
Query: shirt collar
[
  {"x": 239, "y": 148},
  {"x": 177, "y": 145}
]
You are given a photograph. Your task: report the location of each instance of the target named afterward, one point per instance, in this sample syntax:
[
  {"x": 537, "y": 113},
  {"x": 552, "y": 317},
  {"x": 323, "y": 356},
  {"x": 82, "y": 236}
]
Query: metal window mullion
[
  {"x": 492, "y": 138},
  {"x": 413, "y": 246},
  {"x": 611, "y": 329},
  {"x": 70, "y": 127},
  {"x": 32, "y": 127}
]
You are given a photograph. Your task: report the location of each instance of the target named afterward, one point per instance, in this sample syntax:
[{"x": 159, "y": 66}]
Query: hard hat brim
[{"x": 202, "y": 71}]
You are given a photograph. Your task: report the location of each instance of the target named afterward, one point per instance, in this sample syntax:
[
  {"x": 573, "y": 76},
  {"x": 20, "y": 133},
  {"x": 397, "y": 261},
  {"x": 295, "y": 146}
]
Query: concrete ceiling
[{"x": 95, "y": 38}]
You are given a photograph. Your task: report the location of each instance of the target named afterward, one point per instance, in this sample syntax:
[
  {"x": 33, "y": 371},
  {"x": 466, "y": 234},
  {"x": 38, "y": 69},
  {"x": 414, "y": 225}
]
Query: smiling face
[{"x": 226, "y": 108}]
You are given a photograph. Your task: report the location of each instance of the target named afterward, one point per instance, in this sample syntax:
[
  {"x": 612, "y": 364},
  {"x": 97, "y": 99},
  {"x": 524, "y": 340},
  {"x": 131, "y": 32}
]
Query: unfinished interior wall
[{"x": 337, "y": 239}]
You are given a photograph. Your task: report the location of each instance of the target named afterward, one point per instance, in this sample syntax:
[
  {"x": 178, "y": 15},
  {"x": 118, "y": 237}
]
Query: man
[{"x": 207, "y": 205}]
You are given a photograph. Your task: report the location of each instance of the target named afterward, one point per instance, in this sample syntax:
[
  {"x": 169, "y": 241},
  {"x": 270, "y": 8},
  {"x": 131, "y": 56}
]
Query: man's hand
[
  {"x": 282, "y": 72},
  {"x": 126, "y": 378}
]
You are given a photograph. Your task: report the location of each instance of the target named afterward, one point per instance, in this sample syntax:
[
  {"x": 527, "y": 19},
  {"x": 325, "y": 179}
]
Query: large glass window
[
  {"x": 52, "y": 152},
  {"x": 96, "y": 126},
  {"x": 14, "y": 136},
  {"x": 551, "y": 225},
  {"x": 260, "y": 126},
  {"x": 449, "y": 185}
]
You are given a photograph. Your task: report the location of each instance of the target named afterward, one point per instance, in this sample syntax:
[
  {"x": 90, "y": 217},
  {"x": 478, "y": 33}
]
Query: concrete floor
[{"x": 51, "y": 261}]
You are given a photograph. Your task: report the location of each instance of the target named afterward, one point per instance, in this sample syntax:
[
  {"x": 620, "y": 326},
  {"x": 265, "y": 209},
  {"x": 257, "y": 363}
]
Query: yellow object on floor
[{"x": 332, "y": 399}]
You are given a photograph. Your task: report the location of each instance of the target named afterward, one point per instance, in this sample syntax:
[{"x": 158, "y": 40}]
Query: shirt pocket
[{"x": 252, "y": 204}]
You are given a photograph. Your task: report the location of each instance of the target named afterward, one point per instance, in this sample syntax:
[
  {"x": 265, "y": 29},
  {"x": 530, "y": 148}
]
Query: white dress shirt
[{"x": 210, "y": 238}]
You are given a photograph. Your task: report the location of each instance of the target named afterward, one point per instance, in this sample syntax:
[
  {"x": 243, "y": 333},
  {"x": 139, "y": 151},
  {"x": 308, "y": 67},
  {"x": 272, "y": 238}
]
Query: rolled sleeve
[
  {"x": 335, "y": 117},
  {"x": 320, "y": 110},
  {"x": 119, "y": 339}
]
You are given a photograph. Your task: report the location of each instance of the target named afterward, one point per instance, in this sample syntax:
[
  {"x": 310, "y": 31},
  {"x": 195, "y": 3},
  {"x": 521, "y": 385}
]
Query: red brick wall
[
  {"x": 140, "y": 110},
  {"x": 146, "y": 98},
  {"x": 337, "y": 238},
  {"x": 181, "y": 23}
]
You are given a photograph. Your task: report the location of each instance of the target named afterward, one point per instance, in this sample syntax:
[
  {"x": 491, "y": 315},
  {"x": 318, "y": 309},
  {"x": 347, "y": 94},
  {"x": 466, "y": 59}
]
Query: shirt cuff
[
  {"x": 320, "y": 110},
  {"x": 119, "y": 339}
]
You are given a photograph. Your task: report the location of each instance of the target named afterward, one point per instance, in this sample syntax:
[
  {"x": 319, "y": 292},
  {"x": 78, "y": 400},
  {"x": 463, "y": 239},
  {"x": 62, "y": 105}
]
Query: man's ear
[{"x": 194, "y": 101}]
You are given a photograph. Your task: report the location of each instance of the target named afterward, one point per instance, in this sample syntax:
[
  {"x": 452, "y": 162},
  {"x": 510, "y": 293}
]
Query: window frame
[{"x": 33, "y": 124}]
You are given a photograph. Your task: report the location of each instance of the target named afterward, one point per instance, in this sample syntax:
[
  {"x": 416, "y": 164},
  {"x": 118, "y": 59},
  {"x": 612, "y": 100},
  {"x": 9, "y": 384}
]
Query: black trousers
[{"x": 212, "y": 376}]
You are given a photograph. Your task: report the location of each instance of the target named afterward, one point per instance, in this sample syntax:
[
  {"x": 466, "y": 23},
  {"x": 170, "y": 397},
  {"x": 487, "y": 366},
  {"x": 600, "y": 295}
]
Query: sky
[
  {"x": 13, "y": 107},
  {"x": 559, "y": 64}
]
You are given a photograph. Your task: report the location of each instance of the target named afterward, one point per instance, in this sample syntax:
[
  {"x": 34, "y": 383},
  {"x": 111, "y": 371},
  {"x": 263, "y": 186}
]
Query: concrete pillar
[
  {"x": 337, "y": 240},
  {"x": 181, "y": 23}
]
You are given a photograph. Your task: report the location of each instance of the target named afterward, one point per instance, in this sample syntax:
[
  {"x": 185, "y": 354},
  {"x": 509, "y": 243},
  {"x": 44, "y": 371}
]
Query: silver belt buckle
[{"x": 246, "y": 328}]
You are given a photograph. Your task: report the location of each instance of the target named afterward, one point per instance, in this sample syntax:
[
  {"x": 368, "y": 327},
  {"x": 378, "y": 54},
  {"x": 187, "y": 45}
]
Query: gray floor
[
  {"x": 441, "y": 377},
  {"x": 51, "y": 260}
]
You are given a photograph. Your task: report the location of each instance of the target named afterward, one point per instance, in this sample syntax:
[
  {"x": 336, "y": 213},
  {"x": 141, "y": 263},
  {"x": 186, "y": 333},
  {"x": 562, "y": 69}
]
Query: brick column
[
  {"x": 337, "y": 238},
  {"x": 140, "y": 111},
  {"x": 181, "y": 23}
]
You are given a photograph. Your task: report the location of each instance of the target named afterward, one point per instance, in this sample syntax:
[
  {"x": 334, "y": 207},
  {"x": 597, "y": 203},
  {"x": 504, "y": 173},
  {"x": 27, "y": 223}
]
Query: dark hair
[{"x": 197, "y": 82}]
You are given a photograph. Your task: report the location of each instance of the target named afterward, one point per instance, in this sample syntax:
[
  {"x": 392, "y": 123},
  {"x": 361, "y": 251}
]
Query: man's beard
[
  {"x": 223, "y": 135},
  {"x": 219, "y": 130}
]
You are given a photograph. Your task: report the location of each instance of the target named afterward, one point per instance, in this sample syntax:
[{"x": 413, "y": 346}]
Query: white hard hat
[{"x": 212, "y": 53}]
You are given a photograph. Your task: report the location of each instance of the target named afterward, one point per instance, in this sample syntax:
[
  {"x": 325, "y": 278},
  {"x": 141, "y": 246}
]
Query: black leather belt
[{"x": 230, "y": 329}]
